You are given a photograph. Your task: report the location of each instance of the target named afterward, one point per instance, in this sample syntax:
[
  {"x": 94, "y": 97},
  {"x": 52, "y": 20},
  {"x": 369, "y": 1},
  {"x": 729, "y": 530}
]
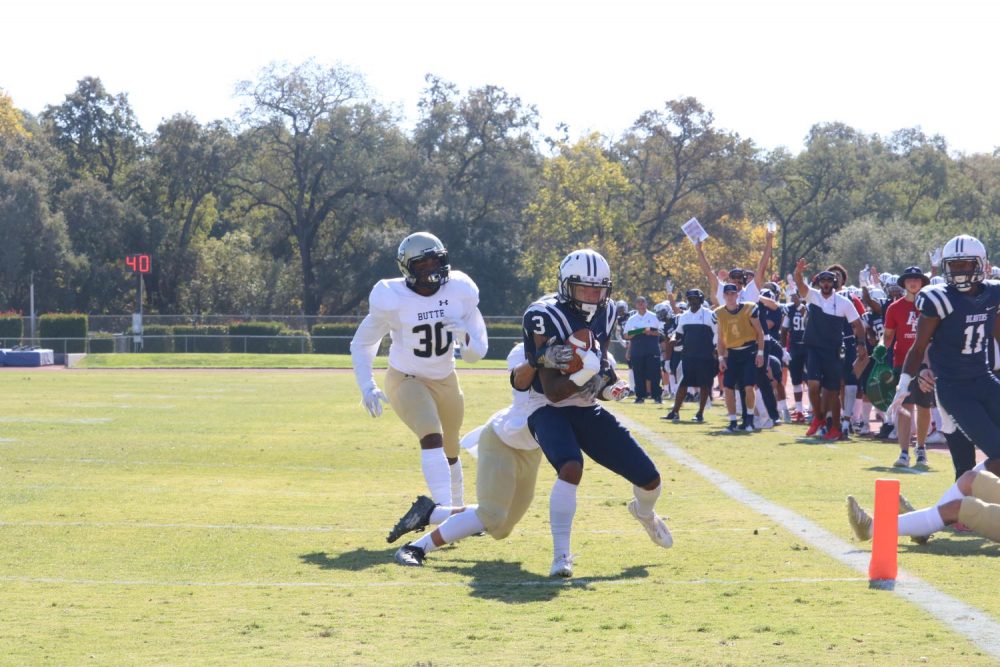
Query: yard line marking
[
  {"x": 303, "y": 529},
  {"x": 974, "y": 624},
  {"x": 502, "y": 583},
  {"x": 195, "y": 464},
  {"x": 39, "y": 420}
]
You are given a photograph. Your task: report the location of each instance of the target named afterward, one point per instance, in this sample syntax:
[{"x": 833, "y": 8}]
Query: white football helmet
[
  {"x": 663, "y": 311},
  {"x": 416, "y": 247},
  {"x": 937, "y": 280},
  {"x": 582, "y": 269},
  {"x": 963, "y": 262},
  {"x": 876, "y": 293}
]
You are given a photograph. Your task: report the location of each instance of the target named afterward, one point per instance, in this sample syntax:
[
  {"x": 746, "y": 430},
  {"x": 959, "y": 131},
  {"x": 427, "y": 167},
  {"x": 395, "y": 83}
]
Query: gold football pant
[
  {"x": 505, "y": 483},
  {"x": 428, "y": 406}
]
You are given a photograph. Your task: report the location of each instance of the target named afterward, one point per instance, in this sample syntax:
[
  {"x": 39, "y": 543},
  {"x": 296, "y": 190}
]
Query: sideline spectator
[{"x": 643, "y": 333}]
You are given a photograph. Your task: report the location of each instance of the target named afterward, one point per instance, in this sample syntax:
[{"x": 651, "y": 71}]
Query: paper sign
[{"x": 695, "y": 232}]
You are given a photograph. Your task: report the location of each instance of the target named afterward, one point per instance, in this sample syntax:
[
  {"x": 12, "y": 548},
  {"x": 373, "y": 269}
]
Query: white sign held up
[{"x": 695, "y": 232}]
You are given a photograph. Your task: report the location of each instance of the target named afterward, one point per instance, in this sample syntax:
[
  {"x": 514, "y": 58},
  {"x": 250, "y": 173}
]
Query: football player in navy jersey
[
  {"x": 793, "y": 331},
  {"x": 957, "y": 322},
  {"x": 572, "y": 422}
]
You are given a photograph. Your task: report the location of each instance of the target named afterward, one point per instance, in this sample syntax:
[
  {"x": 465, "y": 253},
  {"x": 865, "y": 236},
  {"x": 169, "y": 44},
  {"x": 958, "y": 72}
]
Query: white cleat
[
  {"x": 860, "y": 522},
  {"x": 654, "y": 525},
  {"x": 562, "y": 566}
]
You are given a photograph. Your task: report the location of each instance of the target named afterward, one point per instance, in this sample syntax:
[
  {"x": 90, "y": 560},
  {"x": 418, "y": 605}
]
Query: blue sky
[{"x": 766, "y": 69}]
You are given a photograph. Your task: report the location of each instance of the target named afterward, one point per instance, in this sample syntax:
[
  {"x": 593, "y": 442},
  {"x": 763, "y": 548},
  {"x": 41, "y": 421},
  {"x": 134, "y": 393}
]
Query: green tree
[
  {"x": 96, "y": 131},
  {"x": 477, "y": 171},
  {"x": 35, "y": 241},
  {"x": 317, "y": 152},
  {"x": 582, "y": 201},
  {"x": 682, "y": 166}
]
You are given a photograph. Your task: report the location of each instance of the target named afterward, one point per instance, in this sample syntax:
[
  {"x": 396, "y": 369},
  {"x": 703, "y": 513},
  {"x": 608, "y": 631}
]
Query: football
[{"x": 583, "y": 340}]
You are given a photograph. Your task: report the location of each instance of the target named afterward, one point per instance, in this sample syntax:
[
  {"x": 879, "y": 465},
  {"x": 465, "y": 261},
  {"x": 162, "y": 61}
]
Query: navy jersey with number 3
[
  {"x": 554, "y": 319},
  {"x": 959, "y": 346}
]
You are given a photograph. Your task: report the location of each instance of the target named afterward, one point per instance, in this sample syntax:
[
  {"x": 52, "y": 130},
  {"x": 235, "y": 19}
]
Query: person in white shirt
[
  {"x": 425, "y": 313},
  {"x": 643, "y": 333}
]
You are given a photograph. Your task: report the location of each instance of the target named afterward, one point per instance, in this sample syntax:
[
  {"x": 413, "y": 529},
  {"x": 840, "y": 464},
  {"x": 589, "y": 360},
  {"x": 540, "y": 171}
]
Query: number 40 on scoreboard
[{"x": 138, "y": 263}]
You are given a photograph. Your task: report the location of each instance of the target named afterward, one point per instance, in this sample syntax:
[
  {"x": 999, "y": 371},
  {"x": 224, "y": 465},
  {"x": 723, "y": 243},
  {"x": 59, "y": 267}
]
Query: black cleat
[
  {"x": 672, "y": 416},
  {"x": 700, "y": 418},
  {"x": 410, "y": 556},
  {"x": 417, "y": 517}
]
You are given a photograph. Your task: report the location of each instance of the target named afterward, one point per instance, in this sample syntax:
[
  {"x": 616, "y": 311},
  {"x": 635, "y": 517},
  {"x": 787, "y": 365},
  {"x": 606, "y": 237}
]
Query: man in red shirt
[{"x": 900, "y": 333}]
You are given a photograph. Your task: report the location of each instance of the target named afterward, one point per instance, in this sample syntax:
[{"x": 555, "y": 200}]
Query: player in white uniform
[
  {"x": 507, "y": 468},
  {"x": 424, "y": 312}
]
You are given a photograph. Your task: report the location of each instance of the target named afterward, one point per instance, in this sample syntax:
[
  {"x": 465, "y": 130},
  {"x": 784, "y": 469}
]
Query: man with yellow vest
[{"x": 741, "y": 352}]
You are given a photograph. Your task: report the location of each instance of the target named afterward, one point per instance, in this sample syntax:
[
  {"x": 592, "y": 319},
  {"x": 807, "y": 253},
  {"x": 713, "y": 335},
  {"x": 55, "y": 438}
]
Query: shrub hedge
[
  {"x": 54, "y": 327},
  {"x": 11, "y": 329},
  {"x": 101, "y": 343},
  {"x": 157, "y": 338},
  {"x": 207, "y": 338}
]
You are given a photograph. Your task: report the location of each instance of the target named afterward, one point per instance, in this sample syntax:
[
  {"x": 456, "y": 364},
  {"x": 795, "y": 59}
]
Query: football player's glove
[
  {"x": 373, "y": 398},
  {"x": 616, "y": 391},
  {"x": 554, "y": 356},
  {"x": 457, "y": 328}
]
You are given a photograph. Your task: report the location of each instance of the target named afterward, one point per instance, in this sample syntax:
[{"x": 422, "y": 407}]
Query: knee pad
[
  {"x": 982, "y": 517},
  {"x": 986, "y": 487}
]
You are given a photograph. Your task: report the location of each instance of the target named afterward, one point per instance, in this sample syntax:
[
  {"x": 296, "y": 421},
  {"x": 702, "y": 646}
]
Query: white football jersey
[{"x": 420, "y": 345}]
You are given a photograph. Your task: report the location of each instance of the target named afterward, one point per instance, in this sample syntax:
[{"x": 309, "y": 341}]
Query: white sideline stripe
[
  {"x": 503, "y": 583},
  {"x": 974, "y": 624}
]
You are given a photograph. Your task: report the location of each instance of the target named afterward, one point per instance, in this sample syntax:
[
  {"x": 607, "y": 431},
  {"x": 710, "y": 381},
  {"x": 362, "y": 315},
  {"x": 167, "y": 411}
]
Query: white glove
[
  {"x": 372, "y": 399},
  {"x": 935, "y": 256},
  {"x": 591, "y": 367},
  {"x": 902, "y": 391},
  {"x": 457, "y": 329},
  {"x": 669, "y": 286},
  {"x": 786, "y": 357},
  {"x": 863, "y": 276},
  {"x": 617, "y": 391}
]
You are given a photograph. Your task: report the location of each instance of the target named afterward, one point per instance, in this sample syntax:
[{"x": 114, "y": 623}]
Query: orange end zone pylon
[{"x": 882, "y": 569}]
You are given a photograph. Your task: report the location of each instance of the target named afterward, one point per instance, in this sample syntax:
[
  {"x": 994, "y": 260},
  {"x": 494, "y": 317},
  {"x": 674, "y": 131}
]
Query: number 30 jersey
[
  {"x": 420, "y": 344},
  {"x": 958, "y": 349}
]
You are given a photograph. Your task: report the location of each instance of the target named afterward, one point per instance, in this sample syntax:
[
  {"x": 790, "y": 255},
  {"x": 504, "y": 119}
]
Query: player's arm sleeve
[
  {"x": 369, "y": 335},
  {"x": 364, "y": 347},
  {"x": 478, "y": 343},
  {"x": 536, "y": 322},
  {"x": 932, "y": 303}
]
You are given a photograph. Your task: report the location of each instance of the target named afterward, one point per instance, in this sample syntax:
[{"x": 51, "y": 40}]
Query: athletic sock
[
  {"x": 866, "y": 412},
  {"x": 953, "y": 493},
  {"x": 562, "y": 507},
  {"x": 426, "y": 543},
  {"x": 922, "y": 522},
  {"x": 461, "y": 525},
  {"x": 798, "y": 406},
  {"x": 457, "y": 492},
  {"x": 439, "y": 514},
  {"x": 850, "y": 395},
  {"x": 646, "y": 500},
  {"x": 435, "y": 467}
]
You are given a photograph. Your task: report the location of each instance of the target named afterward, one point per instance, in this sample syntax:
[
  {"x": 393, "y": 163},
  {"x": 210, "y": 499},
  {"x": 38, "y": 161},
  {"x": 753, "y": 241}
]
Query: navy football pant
[
  {"x": 564, "y": 434},
  {"x": 974, "y": 406}
]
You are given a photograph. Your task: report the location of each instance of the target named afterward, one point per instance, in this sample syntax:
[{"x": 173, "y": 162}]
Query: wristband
[
  {"x": 760, "y": 353},
  {"x": 904, "y": 381}
]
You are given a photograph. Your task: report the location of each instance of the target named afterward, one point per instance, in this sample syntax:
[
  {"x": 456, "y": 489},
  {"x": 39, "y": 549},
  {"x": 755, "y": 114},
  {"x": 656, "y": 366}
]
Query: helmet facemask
[
  {"x": 586, "y": 297},
  {"x": 963, "y": 272}
]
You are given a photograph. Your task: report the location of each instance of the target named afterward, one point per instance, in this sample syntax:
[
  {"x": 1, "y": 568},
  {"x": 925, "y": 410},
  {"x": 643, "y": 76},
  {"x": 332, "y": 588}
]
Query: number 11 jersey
[{"x": 958, "y": 349}]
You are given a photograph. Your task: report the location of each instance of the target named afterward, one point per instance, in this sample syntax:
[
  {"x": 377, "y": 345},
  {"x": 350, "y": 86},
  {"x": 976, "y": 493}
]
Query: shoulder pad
[
  {"x": 460, "y": 278},
  {"x": 383, "y": 296},
  {"x": 933, "y": 301}
]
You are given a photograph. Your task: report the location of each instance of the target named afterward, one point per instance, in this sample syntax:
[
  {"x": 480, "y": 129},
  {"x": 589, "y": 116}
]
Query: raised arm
[
  {"x": 713, "y": 280},
  {"x": 765, "y": 259},
  {"x": 800, "y": 283}
]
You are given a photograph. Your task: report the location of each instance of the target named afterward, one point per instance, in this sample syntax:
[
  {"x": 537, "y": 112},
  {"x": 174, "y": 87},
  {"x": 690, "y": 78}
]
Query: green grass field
[{"x": 239, "y": 517}]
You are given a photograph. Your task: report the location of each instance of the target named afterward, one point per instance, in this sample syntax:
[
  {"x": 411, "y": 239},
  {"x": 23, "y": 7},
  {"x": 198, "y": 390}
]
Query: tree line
[{"x": 297, "y": 204}]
